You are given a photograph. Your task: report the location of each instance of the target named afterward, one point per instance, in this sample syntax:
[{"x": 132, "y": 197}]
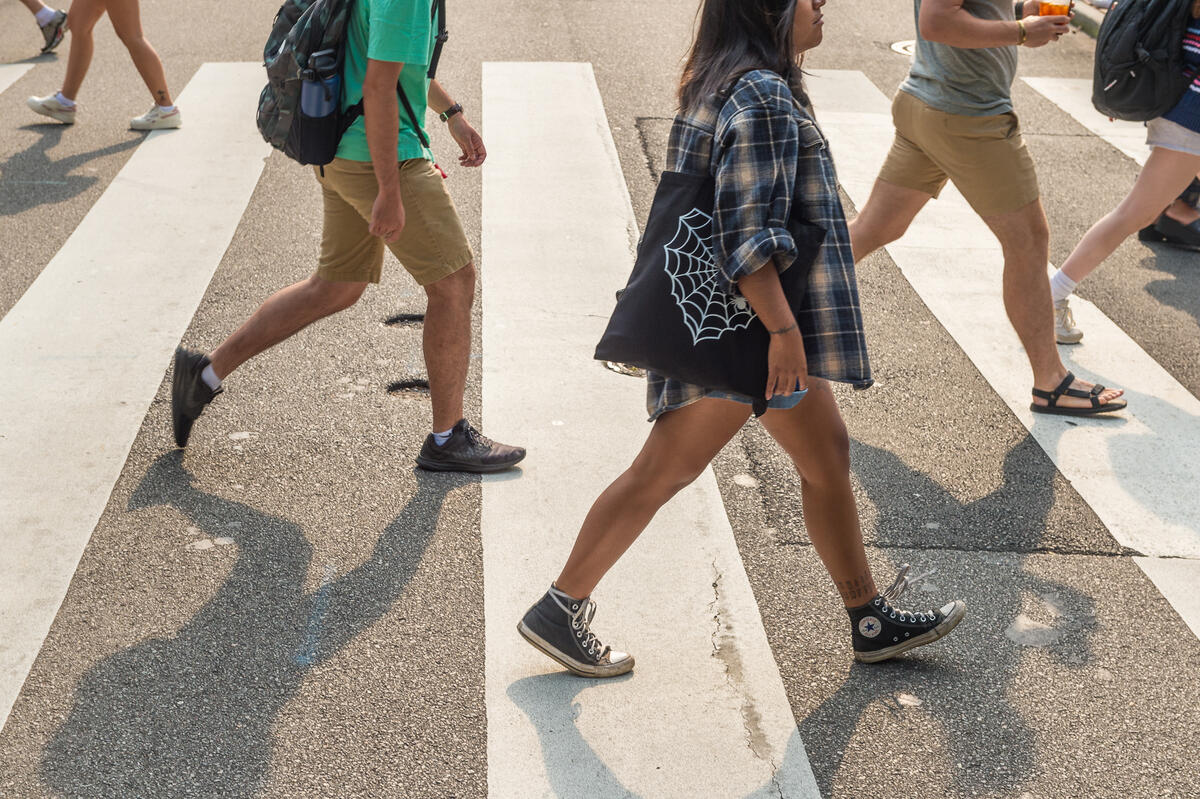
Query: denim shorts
[
  {"x": 776, "y": 403},
  {"x": 1170, "y": 135}
]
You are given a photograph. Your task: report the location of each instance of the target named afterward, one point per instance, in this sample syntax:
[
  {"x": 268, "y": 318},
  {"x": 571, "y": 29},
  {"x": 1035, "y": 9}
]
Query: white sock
[
  {"x": 442, "y": 438},
  {"x": 210, "y": 378},
  {"x": 1061, "y": 286},
  {"x": 166, "y": 109},
  {"x": 62, "y": 99},
  {"x": 45, "y": 16}
]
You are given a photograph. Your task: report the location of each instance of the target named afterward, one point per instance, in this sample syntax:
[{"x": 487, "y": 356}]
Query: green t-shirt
[{"x": 400, "y": 31}]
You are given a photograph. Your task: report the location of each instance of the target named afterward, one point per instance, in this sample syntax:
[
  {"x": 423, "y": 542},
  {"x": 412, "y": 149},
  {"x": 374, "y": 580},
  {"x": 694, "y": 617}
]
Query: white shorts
[{"x": 1170, "y": 135}]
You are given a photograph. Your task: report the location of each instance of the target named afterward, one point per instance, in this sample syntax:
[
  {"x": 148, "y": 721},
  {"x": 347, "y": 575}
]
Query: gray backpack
[{"x": 299, "y": 110}]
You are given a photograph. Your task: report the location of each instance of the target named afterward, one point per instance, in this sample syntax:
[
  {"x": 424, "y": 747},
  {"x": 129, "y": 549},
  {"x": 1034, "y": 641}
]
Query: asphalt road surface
[{"x": 290, "y": 609}]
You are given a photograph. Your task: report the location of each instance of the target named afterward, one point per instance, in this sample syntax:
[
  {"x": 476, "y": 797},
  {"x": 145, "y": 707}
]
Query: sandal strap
[{"x": 1064, "y": 387}]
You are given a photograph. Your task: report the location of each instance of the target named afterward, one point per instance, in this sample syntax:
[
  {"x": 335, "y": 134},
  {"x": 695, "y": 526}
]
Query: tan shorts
[
  {"x": 431, "y": 246},
  {"x": 986, "y": 156}
]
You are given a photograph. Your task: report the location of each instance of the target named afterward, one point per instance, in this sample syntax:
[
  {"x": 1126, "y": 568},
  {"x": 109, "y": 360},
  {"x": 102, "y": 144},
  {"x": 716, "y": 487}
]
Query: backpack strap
[{"x": 438, "y": 12}]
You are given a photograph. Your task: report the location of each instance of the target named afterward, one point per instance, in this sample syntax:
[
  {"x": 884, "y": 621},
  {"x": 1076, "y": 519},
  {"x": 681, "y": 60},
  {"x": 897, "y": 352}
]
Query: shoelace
[
  {"x": 894, "y": 591},
  {"x": 1068, "y": 317},
  {"x": 479, "y": 439},
  {"x": 581, "y": 621}
]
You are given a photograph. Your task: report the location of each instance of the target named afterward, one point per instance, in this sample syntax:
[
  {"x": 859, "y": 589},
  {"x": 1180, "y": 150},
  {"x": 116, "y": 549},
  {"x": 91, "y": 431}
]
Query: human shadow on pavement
[
  {"x": 983, "y": 731},
  {"x": 31, "y": 178},
  {"x": 192, "y": 713},
  {"x": 1180, "y": 286},
  {"x": 573, "y": 768}
]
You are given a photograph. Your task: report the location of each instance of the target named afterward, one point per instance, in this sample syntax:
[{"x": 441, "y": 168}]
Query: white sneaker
[
  {"x": 49, "y": 106},
  {"x": 157, "y": 119},
  {"x": 1064, "y": 324}
]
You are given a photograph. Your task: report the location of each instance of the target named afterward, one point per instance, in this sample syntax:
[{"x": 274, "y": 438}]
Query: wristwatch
[{"x": 451, "y": 111}]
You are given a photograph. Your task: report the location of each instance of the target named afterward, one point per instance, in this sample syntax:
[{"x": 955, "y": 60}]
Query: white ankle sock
[
  {"x": 1061, "y": 286},
  {"x": 442, "y": 438},
  {"x": 64, "y": 100},
  {"x": 166, "y": 109},
  {"x": 45, "y": 16},
  {"x": 210, "y": 378}
]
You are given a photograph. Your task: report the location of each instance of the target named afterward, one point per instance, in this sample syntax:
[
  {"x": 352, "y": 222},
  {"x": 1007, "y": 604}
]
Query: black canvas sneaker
[
  {"x": 468, "y": 450},
  {"x": 189, "y": 392},
  {"x": 882, "y": 632},
  {"x": 560, "y": 627}
]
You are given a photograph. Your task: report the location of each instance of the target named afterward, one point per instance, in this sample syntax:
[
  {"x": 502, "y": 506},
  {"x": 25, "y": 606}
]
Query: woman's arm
[{"x": 786, "y": 362}]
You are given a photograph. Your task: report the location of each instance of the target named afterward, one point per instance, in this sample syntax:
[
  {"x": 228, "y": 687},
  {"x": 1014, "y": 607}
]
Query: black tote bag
[{"x": 673, "y": 318}]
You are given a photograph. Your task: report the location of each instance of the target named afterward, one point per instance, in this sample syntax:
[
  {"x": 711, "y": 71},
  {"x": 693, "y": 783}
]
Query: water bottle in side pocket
[{"x": 321, "y": 90}]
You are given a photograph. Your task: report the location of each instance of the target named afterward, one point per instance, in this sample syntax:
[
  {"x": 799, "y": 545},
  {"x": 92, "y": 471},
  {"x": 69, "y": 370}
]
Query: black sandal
[{"x": 1064, "y": 390}]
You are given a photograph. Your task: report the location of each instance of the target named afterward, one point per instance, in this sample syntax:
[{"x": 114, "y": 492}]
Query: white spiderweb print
[{"x": 708, "y": 312}]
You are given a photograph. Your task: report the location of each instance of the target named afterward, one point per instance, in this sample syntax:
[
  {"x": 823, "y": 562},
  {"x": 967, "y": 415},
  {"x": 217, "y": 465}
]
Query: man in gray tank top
[{"x": 954, "y": 121}]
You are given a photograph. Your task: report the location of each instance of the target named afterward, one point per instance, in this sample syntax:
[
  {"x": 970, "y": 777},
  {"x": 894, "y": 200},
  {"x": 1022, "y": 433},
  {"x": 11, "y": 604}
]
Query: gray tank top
[{"x": 971, "y": 82}]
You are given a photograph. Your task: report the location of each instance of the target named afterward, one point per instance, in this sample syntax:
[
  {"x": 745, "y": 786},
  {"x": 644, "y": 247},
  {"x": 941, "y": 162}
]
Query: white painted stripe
[
  {"x": 83, "y": 351},
  {"x": 1074, "y": 95},
  {"x": 1179, "y": 581},
  {"x": 704, "y": 713},
  {"x": 11, "y": 73},
  {"x": 1136, "y": 471}
]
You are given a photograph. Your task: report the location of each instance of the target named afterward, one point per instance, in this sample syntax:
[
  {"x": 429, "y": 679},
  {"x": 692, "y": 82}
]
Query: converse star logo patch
[{"x": 869, "y": 627}]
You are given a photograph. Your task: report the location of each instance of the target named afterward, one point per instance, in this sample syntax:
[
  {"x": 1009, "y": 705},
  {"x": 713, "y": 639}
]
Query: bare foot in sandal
[{"x": 1074, "y": 397}]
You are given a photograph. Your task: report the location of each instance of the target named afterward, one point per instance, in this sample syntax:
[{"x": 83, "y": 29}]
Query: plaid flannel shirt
[{"x": 764, "y": 150}]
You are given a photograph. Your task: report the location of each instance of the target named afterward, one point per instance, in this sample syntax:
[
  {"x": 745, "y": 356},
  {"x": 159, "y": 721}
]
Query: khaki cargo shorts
[
  {"x": 986, "y": 156},
  {"x": 431, "y": 246}
]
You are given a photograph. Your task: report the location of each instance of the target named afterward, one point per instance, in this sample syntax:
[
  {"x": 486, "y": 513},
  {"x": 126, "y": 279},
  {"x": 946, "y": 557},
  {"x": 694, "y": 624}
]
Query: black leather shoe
[
  {"x": 1178, "y": 234},
  {"x": 189, "y": 392},
  {"x": 467, "y": 450}
]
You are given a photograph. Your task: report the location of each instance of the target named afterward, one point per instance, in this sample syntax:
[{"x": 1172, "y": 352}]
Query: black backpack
[
  {"x": 299, "y": 110},
  {"x": 1140, "y": 73}
]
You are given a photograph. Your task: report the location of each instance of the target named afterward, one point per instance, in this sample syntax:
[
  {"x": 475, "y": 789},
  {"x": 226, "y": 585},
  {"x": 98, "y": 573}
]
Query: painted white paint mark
[
  {"x": 1029, "y": 632},
  {"x": 1136, "y": 471},
  {"x": 745, "y": 481},
  {"x": 701, "y": 727},
  {"x": 108, "y": 295},
  {"x": 1178, "y": 580},
  {"x": 11, "y": 73},
  {"x": 1074, "y": 95},
  {"x": 908, "y": 700}
]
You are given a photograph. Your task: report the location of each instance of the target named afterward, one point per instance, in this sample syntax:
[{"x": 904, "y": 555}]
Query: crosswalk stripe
[
  {"x": 1136, "y": 472},
  {"x": 705, "y": 712},
  {"x": 82, "y": 353},
  {"x": 1074, "y": 95},
  {"x": 11, "y": 73}
]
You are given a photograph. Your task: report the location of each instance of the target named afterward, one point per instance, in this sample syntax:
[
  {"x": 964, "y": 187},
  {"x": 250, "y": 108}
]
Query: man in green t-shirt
[{"x": 383, "y": 187}]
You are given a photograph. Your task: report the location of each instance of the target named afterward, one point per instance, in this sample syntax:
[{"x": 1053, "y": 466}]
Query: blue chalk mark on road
[{"x": 307, "y": 656}]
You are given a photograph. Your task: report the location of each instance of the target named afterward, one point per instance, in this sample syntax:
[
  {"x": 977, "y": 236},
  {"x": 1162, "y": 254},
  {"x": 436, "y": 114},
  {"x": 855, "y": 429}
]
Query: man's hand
[
  {"x": 786, "y": 364},
  {"x": 387, "y": 215},
  {"x": 469, "y": 141},
  {"x": 1043, "y": 30}
]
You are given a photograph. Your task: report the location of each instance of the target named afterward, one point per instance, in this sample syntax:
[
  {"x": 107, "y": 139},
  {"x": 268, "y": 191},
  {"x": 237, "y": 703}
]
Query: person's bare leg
[
  {"x": 814, "y": 436},
  {"x": 447, "y": 342},
  {"x": 127, "y": 22},
  {"x": 889, "y": 211},
  {"x": 34, "y": 6},
  {"x": 1164, "y": 177},
  {"x": 1025, "y": 238},
  {"x": 1182, "y": 212},
  {"x": 681, "y": 445},
  {"x": 84, "y": 16},
  {"x": 285, "y": 313}
]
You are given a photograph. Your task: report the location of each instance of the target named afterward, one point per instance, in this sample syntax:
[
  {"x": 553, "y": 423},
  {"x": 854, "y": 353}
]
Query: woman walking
[
  {"x": 745, "y": 121},
  {"x": 126, "y": 20},
  {"x": 1171, "y": 167}
]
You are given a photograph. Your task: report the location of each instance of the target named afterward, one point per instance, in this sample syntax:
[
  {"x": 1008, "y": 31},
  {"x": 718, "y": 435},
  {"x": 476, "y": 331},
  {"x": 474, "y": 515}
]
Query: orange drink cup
[{"x": 1054, "y": 9}]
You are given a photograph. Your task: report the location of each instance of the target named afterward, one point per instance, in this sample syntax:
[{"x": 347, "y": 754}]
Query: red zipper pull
[{"x": 440, "y": 170}]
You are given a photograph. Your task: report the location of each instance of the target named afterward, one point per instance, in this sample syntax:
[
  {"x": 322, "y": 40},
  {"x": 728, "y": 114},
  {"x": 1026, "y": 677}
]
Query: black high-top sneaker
[
  {"x": 560, "y": 626},
  {"x": 882, "y": 632},
  {"x": 189, "y": 392}
]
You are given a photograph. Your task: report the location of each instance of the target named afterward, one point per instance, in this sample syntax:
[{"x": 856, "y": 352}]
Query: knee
[
  {"x": 458, "y": 288},
  {"x": 828, "y": 461},
  {"x": 132, "y": 41},
  {"x": 333, "y": 297},
  {"x": 663, "y": 478}
]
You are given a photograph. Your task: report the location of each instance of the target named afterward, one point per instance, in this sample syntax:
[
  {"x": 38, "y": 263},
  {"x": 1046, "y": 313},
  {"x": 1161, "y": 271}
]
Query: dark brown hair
[{"x": 735, "y": 37}]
